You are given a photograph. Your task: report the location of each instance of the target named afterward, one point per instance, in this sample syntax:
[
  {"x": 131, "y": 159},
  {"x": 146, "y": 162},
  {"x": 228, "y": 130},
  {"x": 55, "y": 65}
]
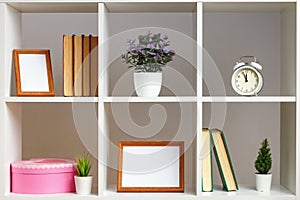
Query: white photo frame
[{"x": 151, "y": 167}]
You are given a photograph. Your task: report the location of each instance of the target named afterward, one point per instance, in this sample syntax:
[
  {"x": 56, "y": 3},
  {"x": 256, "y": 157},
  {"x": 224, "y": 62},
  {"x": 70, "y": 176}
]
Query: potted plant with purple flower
[{"x": 148, "y": 57}]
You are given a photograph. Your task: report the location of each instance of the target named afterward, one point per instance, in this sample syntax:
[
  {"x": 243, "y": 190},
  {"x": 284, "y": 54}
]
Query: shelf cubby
[
  {"x": 126, "y": 21},
  {"x": 150, "y": 122},
  {"x": 30, "y": 129},
  {"x": 264, "y": 30},
  {"x": 71, "y": 131},
  {"x": 245, "y": 125}
]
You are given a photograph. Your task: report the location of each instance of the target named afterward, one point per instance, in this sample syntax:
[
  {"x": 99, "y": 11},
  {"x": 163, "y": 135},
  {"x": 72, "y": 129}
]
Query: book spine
[
  {"x": 78, "y": 65},
  {"x": 211, "y": 149},
  {"x": 86, "y": 62},
  {"x": 68, "y": 81},
  {"x": 207, "y": 131},
  {"x": 229, "y": 158},
  {"x": 94, "y": 65}
]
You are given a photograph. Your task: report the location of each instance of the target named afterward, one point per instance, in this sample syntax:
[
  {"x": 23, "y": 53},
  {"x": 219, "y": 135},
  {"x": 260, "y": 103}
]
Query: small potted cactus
[
  {"x": 83, "y": 181},
  {"x": 263, "y": 164}
]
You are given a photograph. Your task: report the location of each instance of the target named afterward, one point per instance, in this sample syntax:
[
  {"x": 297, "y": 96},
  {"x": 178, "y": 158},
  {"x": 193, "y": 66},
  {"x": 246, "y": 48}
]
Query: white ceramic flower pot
[
  {"x": 263, "y": 182},
  {"x": 83, "y": 185},
  {"x": 147, "y": 84}
]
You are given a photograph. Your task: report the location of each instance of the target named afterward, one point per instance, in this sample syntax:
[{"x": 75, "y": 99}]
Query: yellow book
[{"x": 206, "y": 155}]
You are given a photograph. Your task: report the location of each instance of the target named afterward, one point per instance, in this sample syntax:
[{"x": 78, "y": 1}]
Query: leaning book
[{"x": 224, "y": 161}]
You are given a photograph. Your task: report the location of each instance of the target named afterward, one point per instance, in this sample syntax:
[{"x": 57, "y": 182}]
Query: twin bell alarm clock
[{"x": 247, "y": 79}]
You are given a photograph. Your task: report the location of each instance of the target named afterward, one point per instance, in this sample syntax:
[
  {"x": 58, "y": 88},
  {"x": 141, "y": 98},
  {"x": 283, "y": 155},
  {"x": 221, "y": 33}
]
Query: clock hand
[{"x": 245, "y": 76}]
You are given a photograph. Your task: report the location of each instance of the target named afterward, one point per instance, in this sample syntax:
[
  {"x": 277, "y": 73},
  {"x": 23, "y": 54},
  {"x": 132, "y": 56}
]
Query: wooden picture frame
[
  {"x": 151, "y": 167},
  {"x": 33, "y": 72}
]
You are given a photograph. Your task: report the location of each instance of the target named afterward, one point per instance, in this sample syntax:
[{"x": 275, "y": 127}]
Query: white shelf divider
[
  {"x": 102, "y": 91},
  {"x": 151, "y": 99},
  {"x": 241, "y": 99},
  {"x": 187, "y": 99},
  {"x": 244, "y": 193},
  {"x": 297, "y": 188},
  {"x": 199, "y": 109},
  {"x": 11, "y": 132},
  {"x": 51, "y": 99},
  {"x": 64, "y": 196},
  {"x": 249, "y": 192}
]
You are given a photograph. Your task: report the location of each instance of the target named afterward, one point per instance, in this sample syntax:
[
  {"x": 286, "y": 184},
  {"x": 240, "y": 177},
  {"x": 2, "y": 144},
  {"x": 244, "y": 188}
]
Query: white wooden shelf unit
[{"x": 197, "y": 89}]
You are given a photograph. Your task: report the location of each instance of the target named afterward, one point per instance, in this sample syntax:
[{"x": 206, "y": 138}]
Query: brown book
[
  {"x": 86, "y": 66},
  {"x": 78, "y": 65},
  {"x": 68, "y": 65},
  {"x": 223, "y": 161},
  {"x": 94, "y": 65}
]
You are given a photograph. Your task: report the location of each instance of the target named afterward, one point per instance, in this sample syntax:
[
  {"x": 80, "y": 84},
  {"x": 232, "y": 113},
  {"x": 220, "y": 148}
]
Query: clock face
[{"x": 246, "y": 81}]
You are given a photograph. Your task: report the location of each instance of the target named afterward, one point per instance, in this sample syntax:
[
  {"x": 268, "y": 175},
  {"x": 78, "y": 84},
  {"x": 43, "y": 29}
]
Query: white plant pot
[
  {"x": 263, "y": 182},
  {"x": 147, "y": 84},
  {"x": 83, "y": 185}
]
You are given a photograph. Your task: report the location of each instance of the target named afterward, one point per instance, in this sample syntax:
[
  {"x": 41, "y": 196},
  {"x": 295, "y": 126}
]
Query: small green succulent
[{"x": 84, "y": 165}]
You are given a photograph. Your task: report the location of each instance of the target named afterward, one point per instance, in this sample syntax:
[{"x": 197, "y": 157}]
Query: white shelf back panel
[
  {"x": 179, "y": 76},
  {"x": 255, "y": 34}
]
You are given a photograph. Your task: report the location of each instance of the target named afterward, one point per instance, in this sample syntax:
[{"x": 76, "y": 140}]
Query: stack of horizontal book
[
  {"x": 215, "y": 140},
  {"x": 80, "y": 64}
]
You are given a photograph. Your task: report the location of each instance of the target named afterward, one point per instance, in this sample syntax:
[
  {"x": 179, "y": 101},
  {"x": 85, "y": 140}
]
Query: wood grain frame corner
[
  {"x": 120, "y": 188},
  {"x": 16, "y": 53}
]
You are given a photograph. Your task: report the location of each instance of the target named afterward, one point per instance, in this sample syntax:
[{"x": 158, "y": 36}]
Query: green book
[
  {"x": 223, "y": 161},
  {"x": 206, "y": 156}
]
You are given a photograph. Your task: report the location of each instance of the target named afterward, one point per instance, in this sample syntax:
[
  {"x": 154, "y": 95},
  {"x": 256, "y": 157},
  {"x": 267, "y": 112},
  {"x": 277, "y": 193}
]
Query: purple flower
[
  {"x": 151, "y": 53},
  {"x": 151, "y": 46},
  {"x": 166, "y": 49}
]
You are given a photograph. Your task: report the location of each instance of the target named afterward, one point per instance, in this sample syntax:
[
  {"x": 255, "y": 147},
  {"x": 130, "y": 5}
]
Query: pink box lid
[{"x": 43, "y": 166}]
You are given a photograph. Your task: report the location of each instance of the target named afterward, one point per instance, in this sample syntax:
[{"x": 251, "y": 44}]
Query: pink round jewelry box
[{"x": 43, "y": 176}]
